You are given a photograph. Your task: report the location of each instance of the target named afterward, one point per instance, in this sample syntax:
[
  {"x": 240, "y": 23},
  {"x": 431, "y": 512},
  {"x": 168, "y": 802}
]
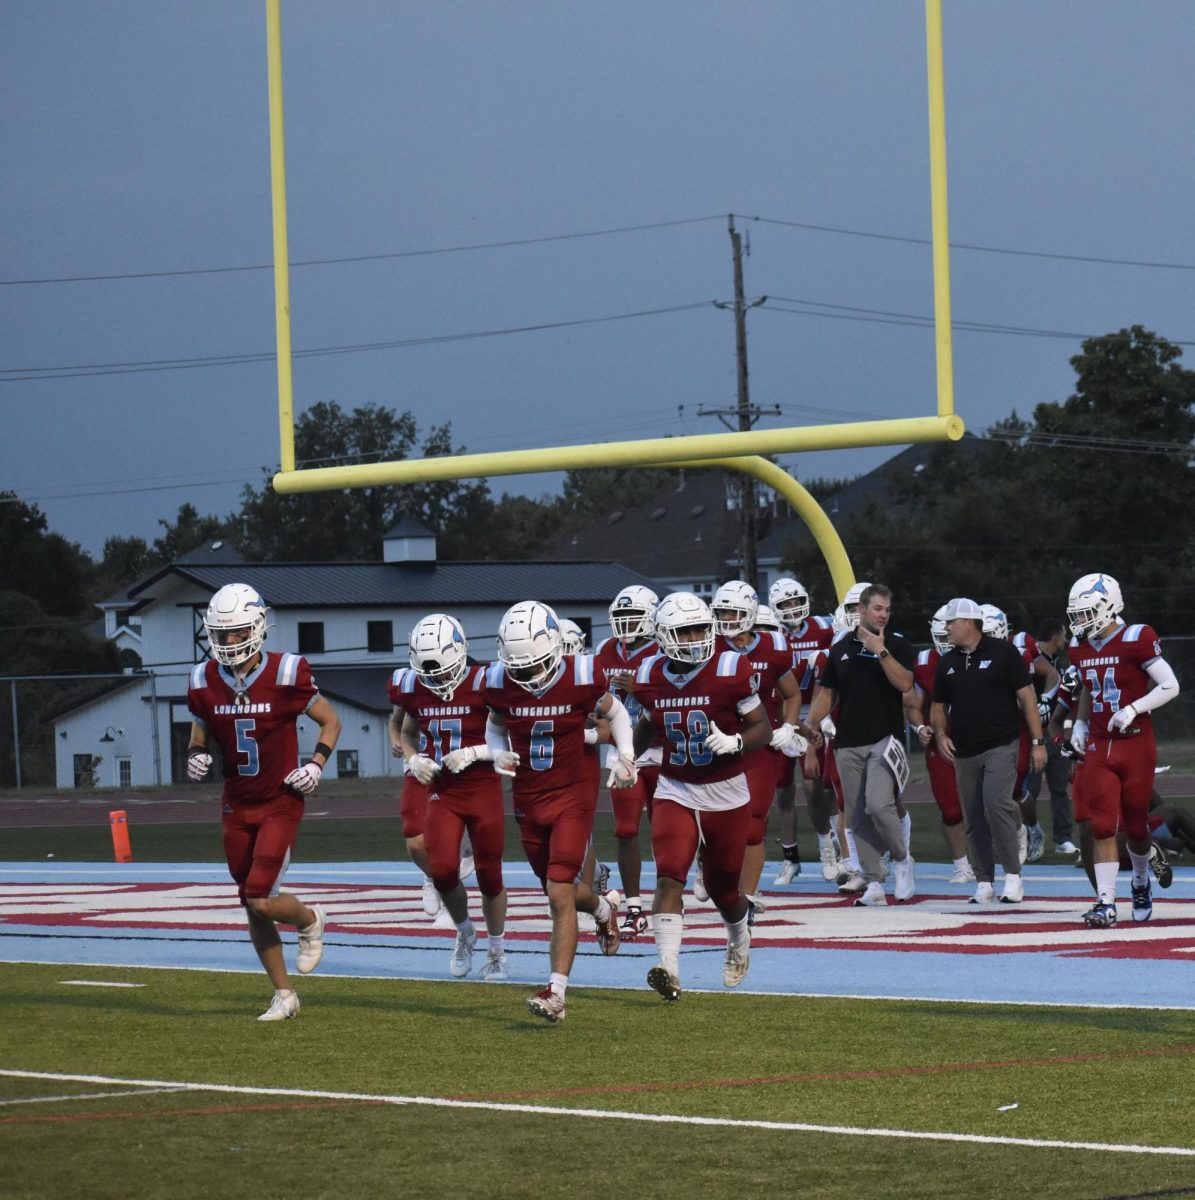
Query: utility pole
[{"x": 745, "y": 415}]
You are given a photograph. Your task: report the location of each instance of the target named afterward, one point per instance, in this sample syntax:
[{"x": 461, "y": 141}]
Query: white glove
[
  {"x": 305, "y": 779},
  {"x": 787, "y": 739},
  {"x": 457, "y": 760},
  {"x": 505, "y": 762},
  {"x": 829, "y": 729},
  {"x": 198, "y": 765},
  {"x": 1122, "y": 719},
  {"x": 591, "y": 735},
  {"x": 1079, "y": 737},
  {"x": 723, "y": 743},
  {"x": 424, "y": 769},
  {"x": 623, "y": 774}
]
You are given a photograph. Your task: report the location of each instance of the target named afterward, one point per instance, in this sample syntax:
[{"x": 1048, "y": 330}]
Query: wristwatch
[
  {"x": 883, "y": 653},
  {"x": 1037, "y": 741}
]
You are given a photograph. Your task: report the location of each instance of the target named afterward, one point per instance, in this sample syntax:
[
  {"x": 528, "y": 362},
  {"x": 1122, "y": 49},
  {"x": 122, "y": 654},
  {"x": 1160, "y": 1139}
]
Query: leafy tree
[
  {"x": 187, "y": 531},
  {"x": 44, "y": 566}
]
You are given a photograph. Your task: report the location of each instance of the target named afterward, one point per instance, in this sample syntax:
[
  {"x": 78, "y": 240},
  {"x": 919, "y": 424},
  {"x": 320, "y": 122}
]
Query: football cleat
[
  {"x": 1101, "y": 916},
  {"x": 1067, "y": 847},
  {"x": 608, "y": 936},
  {"x": 734, "y": 965},
  {"x": 493, "y": 970},
  {"x": 1037, "y": 844},
  {"x": 789, "y": 870},
  {"x": 431, "y": 898},
  {"x": 904, "y": 882},
  {"x": 830, "y": 862},
  {"x": 962, "y": 875},
  {"x": 311, "y": 943},
  {"x": 634, "y": 923},
  {"x": 1014, "y": 890},
  {"x": 284, "y": 1006},
  {"x": 873, "y": 897},
  {"x": 467, "y": 867},
  {"x": 1159, "y": 864},
  {"x": 984, "y": 894},
  {"x": 462, "y": 954},
  {"x": 1143, "y": 902},
  {"x": 548, "y": 1005},
  {"x": 699, "y": 892},
  {"x": 601, "y": 879},
  {"x": 664, "y": 982},
  {"x": 853, "y": 884}
]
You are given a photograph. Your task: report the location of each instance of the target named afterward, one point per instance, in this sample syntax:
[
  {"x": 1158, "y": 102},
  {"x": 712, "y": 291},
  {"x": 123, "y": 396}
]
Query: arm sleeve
[
  {"x": 496, "y": 737},
  {"x": 1165, "y": 686},
  {"x": 620, "y": 728}
]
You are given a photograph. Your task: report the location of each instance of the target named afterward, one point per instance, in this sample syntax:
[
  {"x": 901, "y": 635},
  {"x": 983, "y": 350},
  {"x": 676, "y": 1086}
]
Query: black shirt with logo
[
  {"x": 869, "y": 707},
  {"x": 980, "y": 690}
]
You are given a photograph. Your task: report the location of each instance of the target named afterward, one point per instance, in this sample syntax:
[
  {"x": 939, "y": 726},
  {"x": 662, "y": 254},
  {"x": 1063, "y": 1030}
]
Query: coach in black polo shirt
[
  {"x": 984, "y": 686},
  {"x": 866, "y": 674}
]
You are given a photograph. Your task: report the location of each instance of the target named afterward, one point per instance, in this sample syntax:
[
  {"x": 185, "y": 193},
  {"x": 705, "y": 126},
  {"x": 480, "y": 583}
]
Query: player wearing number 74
[{"x": 246, "y": 701}]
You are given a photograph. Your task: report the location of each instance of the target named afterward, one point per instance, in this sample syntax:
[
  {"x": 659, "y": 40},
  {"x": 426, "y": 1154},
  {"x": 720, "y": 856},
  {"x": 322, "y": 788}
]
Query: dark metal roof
[
  {"x": 364, "y": 687},
  {"x": 422, "y": 585}
]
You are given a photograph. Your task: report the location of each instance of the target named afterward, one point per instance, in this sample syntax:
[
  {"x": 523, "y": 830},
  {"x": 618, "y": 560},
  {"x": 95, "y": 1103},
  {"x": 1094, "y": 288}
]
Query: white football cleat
[
  {"x": 311, "y": 943},
  {"x": 873, "y": 897},
  {"x": 831, "y": 863},
  {"x": 699, "y": 892},
  {"x": 904, "y": 884},
  {"x": 789, "y": 870},
  {"x": 431, "y": 898},
  {"x": 493, "y": 970},
  {"x": 735, "y": 964},
  {"x": 1067, "y": 847},
  {"x": 963, "y": 875},
  {"x": 462, "y": 954},
  {"x": 284, "y": 1006},
  {"x": 853, "y": 884},
  {"x": 467, "y": 867}
]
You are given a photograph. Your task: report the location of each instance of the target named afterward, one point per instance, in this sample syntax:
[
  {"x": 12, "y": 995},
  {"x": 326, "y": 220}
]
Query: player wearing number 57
[{"x": 246, "y": 701}]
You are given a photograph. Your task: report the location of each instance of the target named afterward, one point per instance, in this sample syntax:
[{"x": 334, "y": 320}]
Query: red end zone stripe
[{"x": 214, "y": 1110}]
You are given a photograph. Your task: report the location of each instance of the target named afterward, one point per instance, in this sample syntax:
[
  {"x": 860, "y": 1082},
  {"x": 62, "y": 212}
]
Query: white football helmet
[
  {"x": 530, "y": 644},
  {"x": 234, "y": 608},
  {"x": 995, "y": 623},
  {"x": 734, "y": 606},
  {"x": 572, "y": 636},
  {"x": 851, "y": 600},
  {"x": 843, "y": 622},
  {"x": 1095, "y": 601},
  {"x": 632, "y": 614},
  {"x": 765, "y": 618},
  {"x": 439, "y": 654},
  {"x": 680, "y": 612},
  {"x": 937, "y": 632},
  {"x": 790, "y": 601}
]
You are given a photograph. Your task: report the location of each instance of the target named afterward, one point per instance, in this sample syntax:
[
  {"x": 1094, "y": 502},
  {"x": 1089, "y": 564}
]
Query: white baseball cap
[{"x": 960, "y": 606}]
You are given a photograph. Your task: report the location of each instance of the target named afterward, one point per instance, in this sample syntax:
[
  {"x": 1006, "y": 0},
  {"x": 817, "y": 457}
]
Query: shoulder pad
[
  {"x": 728, "y": 662},
  {"x": 199, "y": 675},
  {"x": 288, "y": 670}
]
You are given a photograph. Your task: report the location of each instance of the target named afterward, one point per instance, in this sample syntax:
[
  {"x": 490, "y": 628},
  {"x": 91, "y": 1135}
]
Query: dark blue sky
[{"x": 136, "y": 140}]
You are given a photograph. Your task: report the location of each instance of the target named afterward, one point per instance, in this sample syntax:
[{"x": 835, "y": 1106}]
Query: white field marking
[
  {"x": 547, "y": 1110},
  {"x": 97, "y": 983},
  {"x": 93, "y": 1095},
  {"x": 617, "y": 987}
]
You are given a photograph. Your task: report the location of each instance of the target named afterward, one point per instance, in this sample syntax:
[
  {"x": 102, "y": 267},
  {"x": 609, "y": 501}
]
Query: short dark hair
[
  {"x": 1050, "y": 627},
  {"x": 874, "y": 589}
]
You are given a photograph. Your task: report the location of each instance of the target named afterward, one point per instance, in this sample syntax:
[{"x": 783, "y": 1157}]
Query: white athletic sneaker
[
  {"x": 462, "y": 954},
  {"x": 873, "y": 897},
  {"x": 830, "y": 862},
  {"x": 904, "y": 884},
  {"x": 735, "y": 964},
  {"x": 284, "y": 1006},
  {"x": 758, "y": 903},
  {"x": 1067, "y": 847},
  {"x": 984, "y": 894},
  {"x": 311, "y": 943},
  {"x": 1023, "y": 843},
  {"x": 467, "y": 867},
  {"x": 1014, "y": 890},
  {"x": 444, "y": 920},
  {"x": 789, "y": 870},
  {"x": 431, "y": 898},
  {"x": 853, "y": 884},
  {"x": 493, "y": 970},
  {"x": 963, "y": 875},
  {"x": 699, "y": 892}
]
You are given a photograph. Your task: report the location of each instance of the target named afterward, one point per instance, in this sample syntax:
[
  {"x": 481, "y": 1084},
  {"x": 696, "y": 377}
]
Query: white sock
[
  {"x": 558, "y": 983},
  {"x": 668, "y": 928},
  {"x": 602, "y": 912},
  {"x": 823, "y": 840},
  {"x": 465, "y": 926},
  {"x": 962, "y": 864},
  {"x": 1105, "y": 881},
  {"x": 906, "y": 828},
  {"x": 634, "y": 902},
  {"x": 495, "y": 944},
  {"x": 737, "y": 933},
  {"x": 1140, "y": 867},
  {"x": 852, "y": 854}
]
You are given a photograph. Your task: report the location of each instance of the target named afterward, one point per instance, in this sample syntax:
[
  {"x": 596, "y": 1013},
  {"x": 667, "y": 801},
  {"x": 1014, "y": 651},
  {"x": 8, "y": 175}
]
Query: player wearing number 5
[
  {"x": 705, "y": 710},
  {"x": 539, "y": 699},
  {"x": 1124, "y": 679},
  {"x": 247, "y": 701}
]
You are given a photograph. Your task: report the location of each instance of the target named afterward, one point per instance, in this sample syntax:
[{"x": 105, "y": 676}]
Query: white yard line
[
  {"x": 614, "y": 1114},
  {"x": 137, "y": 1091}
]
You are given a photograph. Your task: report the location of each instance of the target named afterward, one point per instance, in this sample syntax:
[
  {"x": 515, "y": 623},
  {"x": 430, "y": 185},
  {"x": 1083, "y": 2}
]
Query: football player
[
  {"x": 619, "y": 656},
  {"x": 995, "y": 624},
  {"x": 572, "y": 636},
  {"x": 539, "y": 702},
  {"x": 247, "y": 701},
  {"x": 1125, "y": 679},
  {"x": 705, "y": 709},
  {"x": 443, "y": 737}
]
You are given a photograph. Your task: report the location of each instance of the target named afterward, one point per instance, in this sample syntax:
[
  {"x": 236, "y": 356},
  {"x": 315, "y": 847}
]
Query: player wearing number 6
[
  {"x": 705, "y": 709},
  {"x": 1124, "y": 679},
  {"x": 247, "y": 701},
  {"x": 539, "y": 699}
]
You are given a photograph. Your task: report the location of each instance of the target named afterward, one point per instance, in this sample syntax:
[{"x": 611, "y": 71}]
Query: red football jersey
[
  {"x": 923, "y": 673},
  {"x": 547, "y": 731},
  {"x": 446, "y": 725},
  {"x": 771, "y": 658},
  {"x": 613, "y": 657},
  {"x": 817, "y": 633},
  {"x": 1026, "y": 643},
  {"x": 258, "y": 739},
  {"x": 1114, "y": 672},
  {"x": 682, "y": 707}
]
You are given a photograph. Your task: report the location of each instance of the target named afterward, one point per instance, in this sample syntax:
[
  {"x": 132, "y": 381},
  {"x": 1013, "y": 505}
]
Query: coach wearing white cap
[{"x": 984, "y": 685}]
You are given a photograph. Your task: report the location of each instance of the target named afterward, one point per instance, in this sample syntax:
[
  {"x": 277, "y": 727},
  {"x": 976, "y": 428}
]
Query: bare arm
[
  {"x": 324, "y": 715},
  {"x": 937, "y": 719}
]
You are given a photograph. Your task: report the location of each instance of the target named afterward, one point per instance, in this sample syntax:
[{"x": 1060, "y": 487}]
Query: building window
[
  {"x": 86, "y": 768},
  {"x": 380, "y": 637},
  {"x": 124, "y": 771},
  {"x": 348, "y": 766},
  {"x": 311, "y": 637}
]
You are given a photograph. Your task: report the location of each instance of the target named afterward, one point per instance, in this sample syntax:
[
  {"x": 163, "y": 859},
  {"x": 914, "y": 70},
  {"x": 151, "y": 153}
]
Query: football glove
[
  {"x": 199, "y": 763},
  {"x": 788, "y": 740},
  {"x": 305, "y": 779},
  {"x": 457, "y": 760},
  {"x": 1122, "y": 719},
  {"x": 1079, "y": 738},
  {"x": 505, "y": 762},
  {"x": 828, "y": 728},
  {"x": 723, "y": 743},
  {"x": 623, "y": 774},
  {"x": 424, "y": 769},
  {"x": 591, "y": 736}
]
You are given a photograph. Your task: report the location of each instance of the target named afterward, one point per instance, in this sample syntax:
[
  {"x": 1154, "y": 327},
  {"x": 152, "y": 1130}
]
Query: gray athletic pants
[
  {"x": 869, "y": 803},
  {"x": 1057, "y": 775},
  {"x": 991, "y": 816}
]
